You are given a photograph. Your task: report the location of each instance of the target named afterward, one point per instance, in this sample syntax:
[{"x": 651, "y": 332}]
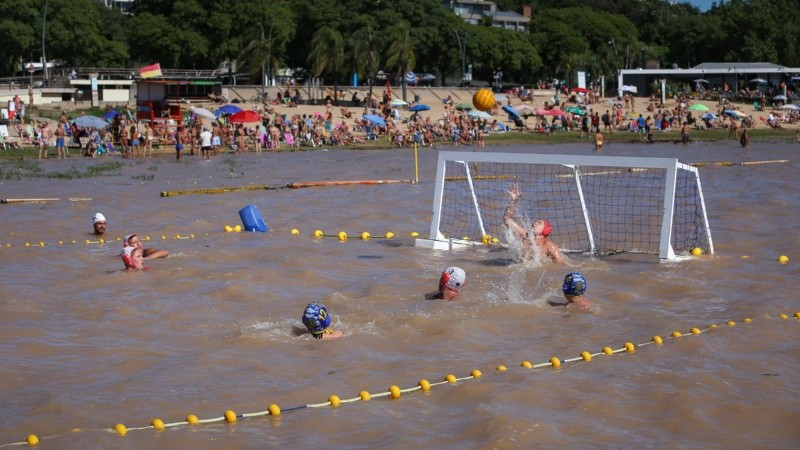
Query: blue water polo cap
[
  {"x": 574, "y": 284},
  {"x": 316, "y": 318}
]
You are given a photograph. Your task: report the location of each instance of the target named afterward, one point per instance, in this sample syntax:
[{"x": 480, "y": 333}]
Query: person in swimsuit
[
  {"x": 318, "y": 322},
  {"x": 132, "y": 258},
  {"x": 450, "y": 284},
  {"x": 133, "y": 240},
  {"x": 537, "y": 235},
  {"x": 598, "y": 141},
  {"x": 179, "y": 139},
  {"x": 574, "y": 287}
]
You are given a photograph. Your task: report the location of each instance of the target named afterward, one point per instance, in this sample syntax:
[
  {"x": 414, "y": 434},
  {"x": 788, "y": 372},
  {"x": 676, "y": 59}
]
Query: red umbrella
[
  {"x": 556, "y": 112},
  {"x": 245, "y": 117},
  {"x": 580, "y": 90}
]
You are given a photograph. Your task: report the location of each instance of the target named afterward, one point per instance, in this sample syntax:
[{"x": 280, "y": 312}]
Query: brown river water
[{"x": 86, "y": 345}]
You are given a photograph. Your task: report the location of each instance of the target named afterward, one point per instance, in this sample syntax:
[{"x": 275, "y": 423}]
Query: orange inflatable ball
[{"x": 483, "y": 100}]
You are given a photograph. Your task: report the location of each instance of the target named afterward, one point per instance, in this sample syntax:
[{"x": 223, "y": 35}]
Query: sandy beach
[{"x": 439, "y": 110}]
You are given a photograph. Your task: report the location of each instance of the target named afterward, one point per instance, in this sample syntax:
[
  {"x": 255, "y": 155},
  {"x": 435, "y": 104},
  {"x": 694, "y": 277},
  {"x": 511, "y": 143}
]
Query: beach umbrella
[
  {"x": 411, "y": 78},
  {"x": 580, "y": 90},
  {"x": 419, "y": 107},
  {"x": 759, "y": 81},
  {"x": 475, "y": 114},
  {"x": 524, "y": 107},
  {"x": 245, "y": 117},
  {"x": 110, "y": 115},
  {"x": 463, "y": 106},
  {"x": 398, "y": 102},
  {"x": 556, "y": 112},
  {"x": 227, "y": 109},
  {"x": 791, "y": 106},
  {"x": 700, "y": 80},
  {"x": 572, "y": 109},
  {"x": 698, "y": 107},
  {"x": 709, "y": 115},
  {"x": 202, "y": 112},
  {"x": 513, "y": 113},
  {"x": 91, "y": 122},
  {"x": 734, "y": 114},
  {"x": 375, "y": 119},
  {"x": 779, "y": 98}
]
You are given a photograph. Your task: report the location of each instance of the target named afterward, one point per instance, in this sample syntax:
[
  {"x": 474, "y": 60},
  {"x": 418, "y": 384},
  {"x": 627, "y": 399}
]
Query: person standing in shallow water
[
  {"x": 685, "y": 133},
  {"x": 745, "y": 139}
]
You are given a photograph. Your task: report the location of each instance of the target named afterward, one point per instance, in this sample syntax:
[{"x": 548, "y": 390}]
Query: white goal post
[{"x": 596, "y": 204}]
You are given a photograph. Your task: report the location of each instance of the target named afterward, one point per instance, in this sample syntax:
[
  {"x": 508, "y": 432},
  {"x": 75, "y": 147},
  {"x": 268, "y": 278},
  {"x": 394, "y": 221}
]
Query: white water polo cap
[
  {"x": 454, "y": 278},
  {"x": 99, "y": 217}
]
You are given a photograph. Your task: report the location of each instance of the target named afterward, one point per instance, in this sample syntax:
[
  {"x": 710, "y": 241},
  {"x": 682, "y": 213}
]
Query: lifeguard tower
[{"x": 162, "y": 101}]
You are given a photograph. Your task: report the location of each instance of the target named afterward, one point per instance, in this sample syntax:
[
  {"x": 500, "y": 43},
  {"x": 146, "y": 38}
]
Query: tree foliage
[{"x": 598, "y": 36}]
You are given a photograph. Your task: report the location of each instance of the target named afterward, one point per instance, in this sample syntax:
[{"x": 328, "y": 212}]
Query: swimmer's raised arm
[{"x": 508, "y": 216}]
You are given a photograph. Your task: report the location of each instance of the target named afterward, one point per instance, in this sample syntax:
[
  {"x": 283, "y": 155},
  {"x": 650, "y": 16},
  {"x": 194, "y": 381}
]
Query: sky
[{"x": 702, "y": 5}]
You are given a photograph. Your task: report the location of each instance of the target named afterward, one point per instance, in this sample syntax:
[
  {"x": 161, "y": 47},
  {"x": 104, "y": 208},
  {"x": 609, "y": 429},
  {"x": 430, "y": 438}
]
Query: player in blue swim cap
[
  {"x": 574, "y": 288},
  {"x": 318, "y": 322}
]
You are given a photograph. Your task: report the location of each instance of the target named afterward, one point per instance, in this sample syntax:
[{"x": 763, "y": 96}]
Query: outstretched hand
[{"x": 513, "y": 191}]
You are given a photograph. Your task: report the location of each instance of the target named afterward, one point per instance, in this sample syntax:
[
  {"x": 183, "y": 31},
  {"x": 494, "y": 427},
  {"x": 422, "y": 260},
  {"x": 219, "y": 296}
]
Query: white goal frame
[{"x": 438, "y": 241}]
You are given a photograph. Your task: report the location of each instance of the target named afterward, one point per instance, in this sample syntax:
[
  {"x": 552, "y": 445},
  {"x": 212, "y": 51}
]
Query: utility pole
[
  {"x": 44, "y": 58},
  {"x": 463, "y": 48}
]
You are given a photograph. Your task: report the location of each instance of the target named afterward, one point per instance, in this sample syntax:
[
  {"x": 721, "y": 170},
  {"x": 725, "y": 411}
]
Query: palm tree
[
  {"x": 327, "y": 53},
  {"x": 401, "y": 53},
  {"x": 365, "y": 55},
  {"x": 259, "y": 53}
]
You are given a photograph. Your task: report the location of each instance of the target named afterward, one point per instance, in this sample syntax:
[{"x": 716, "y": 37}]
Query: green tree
[
  {"x": 327, "y": 55},
  {"x": 273, "y": 27},
  {"x": 400, "y": 52},
  {"x": 365, "y": 53},
  {"x": 21, "y": 24}
]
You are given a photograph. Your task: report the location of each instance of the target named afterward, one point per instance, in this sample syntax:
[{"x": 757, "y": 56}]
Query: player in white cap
[
  {"x": 99, "y": 224},
  {"x": 450, "y": 284}
]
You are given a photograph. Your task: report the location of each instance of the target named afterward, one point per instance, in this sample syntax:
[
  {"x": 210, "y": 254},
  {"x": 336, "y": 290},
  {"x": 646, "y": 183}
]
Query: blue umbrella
[
  {"x": 91, "y": 122},
  {"x": 513, "y": 113},
  {"x": 734, "y": 113},
  {"x": 227, "y": 109},
  {"x": 110, "y": 115},
  {"x": 377, "y": 120},
  {"x": 419, "y": 107},
  {"x": 709, "y": 115}
]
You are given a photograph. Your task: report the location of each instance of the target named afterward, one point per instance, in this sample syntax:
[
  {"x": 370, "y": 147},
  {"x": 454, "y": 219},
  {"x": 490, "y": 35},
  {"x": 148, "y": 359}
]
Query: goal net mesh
[{"x": 622, "y": 208}]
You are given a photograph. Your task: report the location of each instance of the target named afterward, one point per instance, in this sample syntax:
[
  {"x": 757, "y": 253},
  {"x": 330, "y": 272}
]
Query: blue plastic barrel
[{"x": 252, "y": 220}]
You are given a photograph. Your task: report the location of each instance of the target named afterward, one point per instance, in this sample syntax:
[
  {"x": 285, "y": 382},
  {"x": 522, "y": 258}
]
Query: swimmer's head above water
[
  {"x": 542, "y": 228},
  {"x": 99, "y": 223},
  {"x": 574, "y": 284},
  {"x": 316, "y": 319},
  {"x": 132, "y": 258},
  {"x": 451, "y": 282}
]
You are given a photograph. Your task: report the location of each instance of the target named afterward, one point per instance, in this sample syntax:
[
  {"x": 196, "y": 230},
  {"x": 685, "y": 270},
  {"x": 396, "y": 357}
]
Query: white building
[{"x": 474, "y": 11}]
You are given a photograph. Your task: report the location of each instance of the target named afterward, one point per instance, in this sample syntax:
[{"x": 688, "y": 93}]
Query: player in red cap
[
  {"x": 537, "y": 234},
  {"x": 450, "y": 284}
]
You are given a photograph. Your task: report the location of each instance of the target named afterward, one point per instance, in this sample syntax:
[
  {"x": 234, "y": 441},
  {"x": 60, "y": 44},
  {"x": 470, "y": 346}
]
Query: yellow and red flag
[{"x": 151, "y": 71}]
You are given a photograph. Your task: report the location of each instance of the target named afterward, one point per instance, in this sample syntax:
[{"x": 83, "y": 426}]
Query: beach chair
[
  {"x": 370, "y": 133},
  {"x": 289, "y": 139}
]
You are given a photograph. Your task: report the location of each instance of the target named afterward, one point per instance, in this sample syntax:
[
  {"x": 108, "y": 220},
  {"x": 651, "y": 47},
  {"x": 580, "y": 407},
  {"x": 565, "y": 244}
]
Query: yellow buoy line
[
  {"x": 394, "y": 392},
  {"x": 341, "y": 235}
]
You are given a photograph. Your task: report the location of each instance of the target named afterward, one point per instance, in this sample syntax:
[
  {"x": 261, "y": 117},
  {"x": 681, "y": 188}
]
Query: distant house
[
  {"x": 474, "y": 11},
  {"x": 126, "y": 6}
]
